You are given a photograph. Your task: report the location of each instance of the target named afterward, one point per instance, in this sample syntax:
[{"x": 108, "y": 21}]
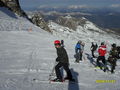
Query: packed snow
[{"x": 27, "y": 56}]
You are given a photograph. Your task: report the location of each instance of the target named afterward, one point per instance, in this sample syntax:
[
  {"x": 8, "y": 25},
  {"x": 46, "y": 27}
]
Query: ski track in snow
[{"x": 25, "y": 56}]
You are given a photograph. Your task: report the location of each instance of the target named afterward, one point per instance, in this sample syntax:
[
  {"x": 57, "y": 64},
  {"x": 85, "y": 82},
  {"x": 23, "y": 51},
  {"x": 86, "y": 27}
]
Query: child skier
[{"x": 63, "y": 61}]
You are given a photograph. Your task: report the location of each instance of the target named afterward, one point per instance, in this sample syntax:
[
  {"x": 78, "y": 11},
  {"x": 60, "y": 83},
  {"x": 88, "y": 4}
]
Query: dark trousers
[
  {"x": 78, "y": 56},
  {"x": 103, "y": 61},
  {"x": 112, "y": 61},
  {"x": 93, "y": 53},
  {"x": 112, "y": 68},
  {"x": 66, "y": 68}
]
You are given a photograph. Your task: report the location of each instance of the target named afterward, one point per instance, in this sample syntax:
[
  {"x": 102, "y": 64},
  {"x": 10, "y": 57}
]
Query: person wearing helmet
[
  {"x": 56, "y": 42},
  {"x": 79, "y": 51},
  {"x": 113, "y": 55},
  {"x": 63, "y": 61},
  {"x": 102, "y": 52}
]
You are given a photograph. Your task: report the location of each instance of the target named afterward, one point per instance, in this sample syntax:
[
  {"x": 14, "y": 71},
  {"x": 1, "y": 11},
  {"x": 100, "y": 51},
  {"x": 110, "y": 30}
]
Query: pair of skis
[
  {"x": 53, "y": 82},
  {"x": 52, "y": 76}
]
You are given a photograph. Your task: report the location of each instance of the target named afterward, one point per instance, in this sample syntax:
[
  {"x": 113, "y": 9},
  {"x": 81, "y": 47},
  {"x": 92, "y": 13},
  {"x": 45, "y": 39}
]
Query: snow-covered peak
[
  {"x": 73, "y": 23},
  {"x": 83, "y": 18},
  {"x": 87, "y": 33},
  {"x": 68, "y": 16},
  {"x": 90, "y": 26}
]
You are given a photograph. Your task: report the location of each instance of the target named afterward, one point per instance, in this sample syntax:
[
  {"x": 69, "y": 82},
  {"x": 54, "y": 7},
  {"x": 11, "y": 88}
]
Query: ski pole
[{"x": 52, "y": 72}]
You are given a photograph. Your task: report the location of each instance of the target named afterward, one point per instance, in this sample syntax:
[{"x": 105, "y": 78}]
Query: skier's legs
[
  {"x": 77, "y": 56},
  {"x": 57, "y": 70},
  {"x": 113, "y": 65},
  {"x": 98, "y": 61},
  {"x": 80, "y": 56},
  {"x": 112, "y": 69},
  {"x": 66, "y": 67},
  {"x": 92, "y": 53},
  {"x": 104, "y": 62}
]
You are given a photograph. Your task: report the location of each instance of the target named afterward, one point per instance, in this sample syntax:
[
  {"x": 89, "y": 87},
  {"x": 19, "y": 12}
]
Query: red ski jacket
[{"x": 102, "y": 50}]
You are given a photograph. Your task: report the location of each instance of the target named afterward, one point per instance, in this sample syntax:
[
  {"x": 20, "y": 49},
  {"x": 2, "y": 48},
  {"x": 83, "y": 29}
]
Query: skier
[
  {"x": 63, "y": 61},
  {"x": 93, "y": 48},
  {"x": 102, "y": 51},
  {"x": 113, "y": 57},
  {"x": 79, "y": 50}
]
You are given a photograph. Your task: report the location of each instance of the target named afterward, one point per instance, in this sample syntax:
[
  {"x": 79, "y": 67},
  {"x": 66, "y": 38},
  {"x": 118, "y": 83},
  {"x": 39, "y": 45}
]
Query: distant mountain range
[
  {"x": 103, "y": 17},
  {"x": 81, "y": 28}
]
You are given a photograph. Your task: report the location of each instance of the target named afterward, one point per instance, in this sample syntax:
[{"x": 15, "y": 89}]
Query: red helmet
[{"x": 56, "y": 42}]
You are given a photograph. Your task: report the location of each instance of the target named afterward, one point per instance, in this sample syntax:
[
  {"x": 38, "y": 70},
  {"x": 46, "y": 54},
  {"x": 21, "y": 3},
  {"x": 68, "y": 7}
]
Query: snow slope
[{"x": 26, "y": 55}]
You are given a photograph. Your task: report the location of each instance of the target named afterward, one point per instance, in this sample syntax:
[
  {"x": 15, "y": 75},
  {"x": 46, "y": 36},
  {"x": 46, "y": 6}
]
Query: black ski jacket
[
  {"x": 62, "y": 55},
  {"x": 94, "y": 47}
]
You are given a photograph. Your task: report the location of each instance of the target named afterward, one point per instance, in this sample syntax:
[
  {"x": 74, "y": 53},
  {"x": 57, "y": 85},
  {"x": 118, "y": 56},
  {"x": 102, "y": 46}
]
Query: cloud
[
  {"x": 115, "y": 6},
  {"x": 79, "y": 6}
]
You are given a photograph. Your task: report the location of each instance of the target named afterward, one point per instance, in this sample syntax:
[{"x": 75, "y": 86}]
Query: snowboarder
[
  {"x": 63, "y": 61},
  {"x": 113, "y": 57},
  {"x": 93, "y": 48},
  {"x": 102, "y": 51},
  {"x": 79, "y": 51}
]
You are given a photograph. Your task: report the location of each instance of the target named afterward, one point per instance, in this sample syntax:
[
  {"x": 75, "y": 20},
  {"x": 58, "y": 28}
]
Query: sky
[{"x": 61, "y": 3}]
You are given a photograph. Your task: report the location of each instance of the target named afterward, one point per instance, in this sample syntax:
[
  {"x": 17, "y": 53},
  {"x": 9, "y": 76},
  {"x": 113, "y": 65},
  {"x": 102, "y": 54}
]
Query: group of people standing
[
  {"x": 102, "y": 51},
  {"x": 63, "y": 60}
]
